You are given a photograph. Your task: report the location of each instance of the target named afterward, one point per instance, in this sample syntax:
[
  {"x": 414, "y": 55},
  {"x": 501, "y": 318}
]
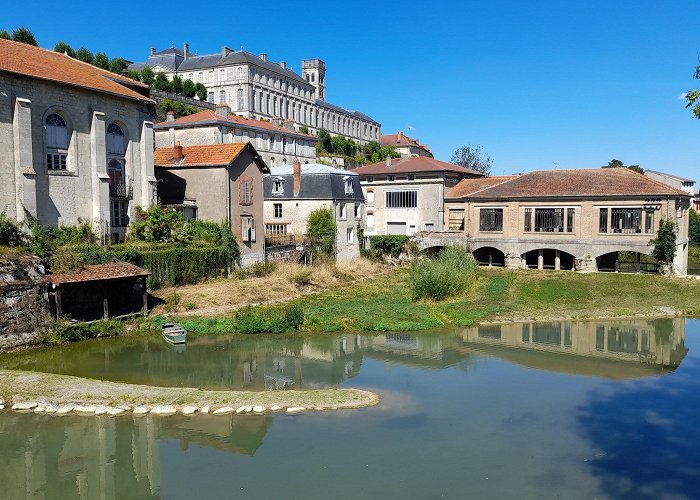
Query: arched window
[
  {"x": 370, "y": 197},
  {"x": 370, "y": 219},
  {"x": 240, "y": 73},
  {"x": 115, "y": 140},
  {"x": 239, "y": 100},
  {"x": 57, "y": 142}
]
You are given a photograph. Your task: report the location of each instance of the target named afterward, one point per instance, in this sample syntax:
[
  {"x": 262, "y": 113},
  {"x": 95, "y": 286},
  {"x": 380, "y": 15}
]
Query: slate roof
[
  {"x": 418, "y": 164},
  {"x": 581, "y": 183},
  {"x": 318, "y": 182},
  {"x": 357, "y": 114},
  {"x": 28, "y": 60},
  {"x": 99, "y": 272},
  {"x": 209, "y": 116}
]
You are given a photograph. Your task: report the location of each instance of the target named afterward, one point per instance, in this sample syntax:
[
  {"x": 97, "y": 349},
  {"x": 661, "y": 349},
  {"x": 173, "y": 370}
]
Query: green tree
[
  {"x": 383, "y": 153},
  {"x": 324, "y": 141},
  {"x": 161, "y": 82},
  {"x": 158, "y": 224},
  {"x": 664, "y": 244},
  {"x": 201, "y": 91},
  {"x": 321, "y": 229},
  {"x": 618, "y": 164},
  {"x": 178, "y": 108},
  {"x": 64, "y": 48},
  {"x": 83, "y": 54},
  {"x": 694, "y": 228},
  {"x": 176, "y": 85},
  {"x": 23, "y": 35},
  {"x": 473, "y": 158},
  {"x": 692, "y": 97},
  {"x": 118, "y": 65},
  {"x": 4, "y": 35},
  {"x": 147, "y": 76},
  {"x": 101, "y": 60},
  {"x": 134, "y": 75},
  {"x": 189, "y": 89}
]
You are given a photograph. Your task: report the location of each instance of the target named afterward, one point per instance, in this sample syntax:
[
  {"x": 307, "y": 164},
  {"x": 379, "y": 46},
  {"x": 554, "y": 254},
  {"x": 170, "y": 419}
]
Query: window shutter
[
  {"x": 252, "y": 229},
  {"x": 244, "y": 229}
]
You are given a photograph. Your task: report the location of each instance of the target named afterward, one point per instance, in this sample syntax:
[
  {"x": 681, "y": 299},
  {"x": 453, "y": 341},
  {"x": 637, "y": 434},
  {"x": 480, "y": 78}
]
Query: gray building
[
  {"x": 292, "y": 192},
  {"x": 77, "y": 141},
  {"x": 254, "y": 87}
]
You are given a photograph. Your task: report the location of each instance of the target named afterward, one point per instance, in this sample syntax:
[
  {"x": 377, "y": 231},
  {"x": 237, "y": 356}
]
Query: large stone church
[{"x": 254, "y": 87}]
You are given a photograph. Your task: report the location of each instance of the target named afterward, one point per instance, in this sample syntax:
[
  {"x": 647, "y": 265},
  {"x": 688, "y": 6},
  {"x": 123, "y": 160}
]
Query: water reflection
[{"x": 614, "y": 349}]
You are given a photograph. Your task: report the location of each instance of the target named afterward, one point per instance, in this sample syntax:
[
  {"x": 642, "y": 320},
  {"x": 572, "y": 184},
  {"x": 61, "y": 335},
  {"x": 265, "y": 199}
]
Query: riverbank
[
  {"x": 384, "y": 301},
  {"x": 55, "y": 391}
]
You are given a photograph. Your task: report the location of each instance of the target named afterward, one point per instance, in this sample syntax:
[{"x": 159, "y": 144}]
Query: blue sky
[{"x": 539, "y": 85}]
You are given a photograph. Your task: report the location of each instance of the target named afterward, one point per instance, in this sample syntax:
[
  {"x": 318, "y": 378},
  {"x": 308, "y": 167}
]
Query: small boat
[{"x": 174, "y": 333}]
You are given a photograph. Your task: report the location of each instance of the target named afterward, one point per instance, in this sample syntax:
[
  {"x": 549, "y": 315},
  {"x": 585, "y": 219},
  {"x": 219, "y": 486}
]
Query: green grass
[{"x": 386, "y": 303}]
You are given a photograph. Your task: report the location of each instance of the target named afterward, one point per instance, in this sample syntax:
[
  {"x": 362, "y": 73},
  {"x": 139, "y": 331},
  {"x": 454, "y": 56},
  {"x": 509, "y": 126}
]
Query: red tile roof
[
  {"x": 209, "y": 116},
  {"x": 197, "y": 156},
  {"x": 467, "y": 187},
  {"x": 567, "y": 183},
  {"x": 399, "y": 139},
  {"x": 99, "y": 272},
  {"x": 414, "y": 165},
  {"x": 35, "y": 62}
]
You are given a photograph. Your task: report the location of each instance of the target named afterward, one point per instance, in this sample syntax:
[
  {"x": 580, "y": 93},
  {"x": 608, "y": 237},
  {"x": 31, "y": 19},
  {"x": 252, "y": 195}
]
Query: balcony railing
[{"x": 121, "y": 189}]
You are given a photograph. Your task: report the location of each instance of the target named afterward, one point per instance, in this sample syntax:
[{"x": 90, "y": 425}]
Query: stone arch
[
  {"x": 549, "y": 258},
  {"x": 626, "y": 261},
  {"x": 489, "y": 256},
  {"x": 70, "y": 152}
]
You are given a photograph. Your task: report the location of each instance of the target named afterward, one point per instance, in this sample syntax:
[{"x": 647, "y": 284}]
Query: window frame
[
  {"x": 277, "y": 210},
  {"x": 401, "y": 199},
  {"x": 492, "y": 224},
  {"x": 245, "y": 190},
  {"x": 455, "y": 223}
]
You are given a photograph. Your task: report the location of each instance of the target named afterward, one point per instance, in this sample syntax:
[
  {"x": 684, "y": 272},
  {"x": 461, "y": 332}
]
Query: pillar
[
  {"x": 100, "y": 178},
  {"x": 540, "y": 259},
  {"x": 25, "y": 175},
  {"x": 557, "y": 260},
  {"x": 147, "y": 177}
]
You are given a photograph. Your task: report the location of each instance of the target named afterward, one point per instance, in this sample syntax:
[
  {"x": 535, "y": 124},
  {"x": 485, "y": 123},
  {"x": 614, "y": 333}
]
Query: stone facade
[
  {"x": 83, "y": 188},
  {"x": 276, "y": 145},
  {"x": 254, "y": 87},
  {"x": 23, "y": 301}
]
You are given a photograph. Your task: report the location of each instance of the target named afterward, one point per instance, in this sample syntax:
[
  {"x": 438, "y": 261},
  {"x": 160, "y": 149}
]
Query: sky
[{"x": 539, "y": 84}]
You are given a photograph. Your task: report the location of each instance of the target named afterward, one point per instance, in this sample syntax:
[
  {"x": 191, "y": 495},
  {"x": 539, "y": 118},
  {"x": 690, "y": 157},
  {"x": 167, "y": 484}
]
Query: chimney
[
  {"x": 297, "y": 177},
  {"x": 222, "y": 111},
  {"x": 153, "y": 51},
  {"x": 178, "y": 151},
  {"x": 170, "y": 117},
  {"x": 186, "y": 51},
  {"x": 388, "y": 161},
  {"x": 263, "y": 56},
  {"x": 400, "y": 134},
  {"x": 283, "y": 64},
  {"x": 225, "y": 51}
]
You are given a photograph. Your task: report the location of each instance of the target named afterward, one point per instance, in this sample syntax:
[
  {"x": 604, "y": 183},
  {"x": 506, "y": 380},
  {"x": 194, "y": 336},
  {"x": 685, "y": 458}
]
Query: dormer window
[
  {"x": 348, "y": 185},
  {"x": 278, "y": 186}
]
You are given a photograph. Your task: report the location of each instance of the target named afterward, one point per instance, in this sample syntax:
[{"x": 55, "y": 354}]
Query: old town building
[
  {"x": 564, "y": 219},
  {"x": 221, "y": 182},
  {"x": 77, "y": 141},
  {"x": 276, "y": 145},
  {"x": 254, "y": 87},
  {"x": 405, "y": 146},
  {"x": 407, "y": 195}
]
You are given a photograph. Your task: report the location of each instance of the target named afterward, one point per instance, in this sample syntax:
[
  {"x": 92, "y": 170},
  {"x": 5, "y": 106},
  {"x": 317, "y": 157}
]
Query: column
[
  {"x": 147, "y": 177},
  {"x": 25, "y": 175},
  {"x": 557, "y": 260},
  {"x": 540, "y": 259},
  {"x": 100, "y": 178}
]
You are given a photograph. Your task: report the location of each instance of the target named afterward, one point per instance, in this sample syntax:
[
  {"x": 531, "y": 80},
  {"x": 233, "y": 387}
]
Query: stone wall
[{"x": 23, "y": 301}]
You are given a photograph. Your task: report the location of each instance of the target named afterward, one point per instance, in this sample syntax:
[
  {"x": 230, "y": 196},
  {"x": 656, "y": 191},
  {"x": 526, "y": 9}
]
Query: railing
[
  {"x": 276, "y": 240},
  {"x": 121, "y": 189}
]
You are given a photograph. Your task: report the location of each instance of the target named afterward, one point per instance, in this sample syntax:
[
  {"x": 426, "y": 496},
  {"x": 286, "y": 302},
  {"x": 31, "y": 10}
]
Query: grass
[{"x": 385, "y": 302}]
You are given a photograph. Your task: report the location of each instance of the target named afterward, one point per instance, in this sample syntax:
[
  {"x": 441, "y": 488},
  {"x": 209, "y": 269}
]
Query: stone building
[
  {"x": 276, "y": 145},
  {"x": 293, "y": 192},
  {"x": 77, "y": 141},
  {"x": 221, "y": 182},
  {"x": 254, "y": 87},
  {"x": 406, "y": 195},
  {"x": 405, "y": 146},
  {"x": 563, "y": 219}
]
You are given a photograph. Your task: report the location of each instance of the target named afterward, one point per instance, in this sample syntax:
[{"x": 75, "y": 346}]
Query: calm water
[{"x": 556, "y": 410}]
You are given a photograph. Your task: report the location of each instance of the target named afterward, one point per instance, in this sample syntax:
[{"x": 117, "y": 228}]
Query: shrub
[
  {"x": 189, "y": 89},
  {"x": 157, "y": 224},
  {"x": 201, "y": 91},
  {"x": 178, "y": 108},
  {"x": 161, "y": 82},
  {"x": 262, "y": 320},
  {"x": 694, "y": 228},
  {"x": 321, "y": 230},
  {"x": 11, "y": 234},
  {"x": 665, "y": 242},
  {"x": 388, "y": 244},
  {"x": 303, "y": 277},
  {"x": 147, "y": 76},
  {"x": 61, "y": 331},
  {"x": 449, "y": 274}
]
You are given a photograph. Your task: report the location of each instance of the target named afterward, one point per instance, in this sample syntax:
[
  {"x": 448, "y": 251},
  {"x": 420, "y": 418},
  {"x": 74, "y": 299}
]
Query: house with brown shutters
[
  {"x": 564, "y": 219},
  {"x": 405, "y": 145},
  {"x": 221, "y": 182}
]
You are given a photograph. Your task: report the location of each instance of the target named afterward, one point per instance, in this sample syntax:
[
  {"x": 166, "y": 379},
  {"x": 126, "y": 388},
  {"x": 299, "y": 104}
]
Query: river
[{"x": 597, "y": 409}]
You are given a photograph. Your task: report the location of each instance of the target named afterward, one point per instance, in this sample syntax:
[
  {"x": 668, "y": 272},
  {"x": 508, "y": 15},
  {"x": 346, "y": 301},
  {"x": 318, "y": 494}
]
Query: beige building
[
  {"x": 255, "y": 87},
  {"x": 405, "y": 146},
  {"x": 293, "y": 192},
  {"x": 404, "y": 196},
  {"x": 77, "y": 141},
  {"x": 276, "y": 145},
  {"x": 217, "y": 183},
  {"x": 564, "y": 219}
]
